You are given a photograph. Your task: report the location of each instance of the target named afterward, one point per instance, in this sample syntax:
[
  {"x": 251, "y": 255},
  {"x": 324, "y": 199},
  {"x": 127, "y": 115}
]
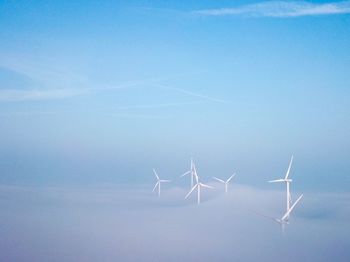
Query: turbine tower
[
  {"x": 287, "y": 181},
  {"x": 198, "y": 186},
  {"x": 225, "y": 182},
  {"x": 192, "y": 172},
  {"x": 159, "y": 181}
]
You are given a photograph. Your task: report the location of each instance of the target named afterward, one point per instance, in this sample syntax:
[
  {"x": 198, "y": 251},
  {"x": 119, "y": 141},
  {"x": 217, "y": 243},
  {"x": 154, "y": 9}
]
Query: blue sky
[{"x": 102, "y": 93}]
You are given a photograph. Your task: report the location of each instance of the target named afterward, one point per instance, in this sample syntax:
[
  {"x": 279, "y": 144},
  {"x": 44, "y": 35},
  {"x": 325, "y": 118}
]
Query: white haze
[{"x": 115, "y": 223}]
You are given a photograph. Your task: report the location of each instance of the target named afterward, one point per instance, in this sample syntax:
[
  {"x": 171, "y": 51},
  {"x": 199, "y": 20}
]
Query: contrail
[
  {"x": 145, "y": 106},
  {"x": 190, "y": 93}
]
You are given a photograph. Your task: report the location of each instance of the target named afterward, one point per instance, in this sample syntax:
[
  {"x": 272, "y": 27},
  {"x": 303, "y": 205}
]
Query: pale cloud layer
[
  {"x": 116, "y": 223},
  {"x": 280, "y": 9}
]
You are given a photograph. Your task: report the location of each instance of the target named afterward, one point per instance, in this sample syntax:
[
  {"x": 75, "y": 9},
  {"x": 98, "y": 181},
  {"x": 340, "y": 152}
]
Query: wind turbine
[
  {"x": 192, "y": 172},
  {"x": 285, "y": 219},
  {"x": 287, "y": 181},
  {"x": 198, "y": 186},
  {"x": 159, "y": 181},
  {"x": 225, "y": 182}
]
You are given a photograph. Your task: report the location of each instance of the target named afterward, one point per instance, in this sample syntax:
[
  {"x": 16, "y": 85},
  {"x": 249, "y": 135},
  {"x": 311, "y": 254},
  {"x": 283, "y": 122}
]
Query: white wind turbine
[
  {"x": 192, "y": 172},
  {"x": 198, "y": 185},
  {"x": 287, "y": 181},
  {"x": 225, "y": 182},
  {"x": 284, "y": 220},
  {"x": 159, "y": 181}
]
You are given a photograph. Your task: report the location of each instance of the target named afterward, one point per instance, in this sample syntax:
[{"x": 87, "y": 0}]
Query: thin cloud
[
  {"x": 12, "y": 95},
  {"x": 38, "y": 94},
  {"x": 49, "y": 84},
  {"x": 280, "y": 9},
  {"x": 193, "y": 94},
  {"x": 8, "y": 95},
  {"x": 140, "y": 116},
  {"x": 164, "y": 105},
  {"x": 112, "y": 114}
]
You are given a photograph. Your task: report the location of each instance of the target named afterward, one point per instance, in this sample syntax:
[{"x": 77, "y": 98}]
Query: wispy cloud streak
[
  {"x": 164, "y": 105},
  {"x": 280, "y": 9},
  {"x": 8, "y": 95},
  {"x": 193, "y": 94},
  {"x": 48, "y": 89}
]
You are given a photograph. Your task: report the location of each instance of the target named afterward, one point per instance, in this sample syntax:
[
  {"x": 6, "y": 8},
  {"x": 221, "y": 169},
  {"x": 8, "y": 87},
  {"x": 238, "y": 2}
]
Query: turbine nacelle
[
  {"x": 192, "y": 172},
  {"x": 198, "y": 186},
  {"x": 282, "y": 222}
]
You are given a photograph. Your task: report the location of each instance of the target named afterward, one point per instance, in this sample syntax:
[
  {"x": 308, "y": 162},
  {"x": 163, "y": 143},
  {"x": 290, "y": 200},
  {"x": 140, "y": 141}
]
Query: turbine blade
[
  {"x": 155, "y": 186},
  {"x": 204, "y": 185},
  {"x": 277, "y": 180},
  {"x": 218, "y": 179},
  {"x": 290, "y": 165},
  {"x": 228, "y": 180},
  {"x": 196, "y": 176},
  {"x": 164, "y": 180},
  {"x": 290, "y": 210},
  {"x": 155, "y": 173},
  {"x": 189, "y": 193},
  {"x": 265, "y": 216},
  {"x": 188, "y": 172}
]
